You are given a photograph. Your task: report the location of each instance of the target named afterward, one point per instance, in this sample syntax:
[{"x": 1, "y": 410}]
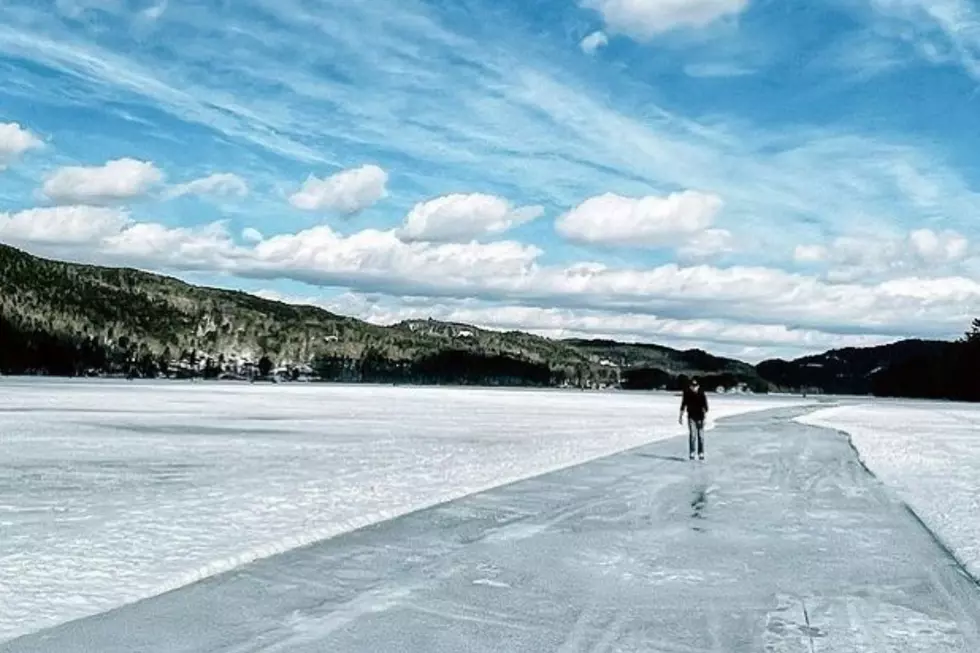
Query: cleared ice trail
[
  {"x": 780, "y": 542},
  {"x": 928, "y": 453},
  {"x": 114, "y": 492}
]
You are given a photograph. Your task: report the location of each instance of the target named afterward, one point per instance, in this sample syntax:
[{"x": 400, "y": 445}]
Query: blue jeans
[{"x": 695, "y": 429}]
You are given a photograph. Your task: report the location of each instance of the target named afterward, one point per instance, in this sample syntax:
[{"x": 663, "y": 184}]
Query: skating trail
[{"x": 780, "y": 542}]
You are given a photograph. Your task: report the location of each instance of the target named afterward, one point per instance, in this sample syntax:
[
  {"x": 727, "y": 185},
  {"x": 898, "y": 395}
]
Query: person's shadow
[{"x": 659, "y": 457}]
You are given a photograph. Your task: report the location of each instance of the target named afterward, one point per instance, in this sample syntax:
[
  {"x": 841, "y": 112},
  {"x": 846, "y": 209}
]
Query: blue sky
[{"x": 749, "y": 176}]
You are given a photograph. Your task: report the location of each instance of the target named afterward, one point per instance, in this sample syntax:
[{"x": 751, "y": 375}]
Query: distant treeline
[
  {"x": 445, "y": 367},
  {"x": 30, "y": 350},
  {"x": 952, "y": 373},
  {"x": 651, "y": 378}
]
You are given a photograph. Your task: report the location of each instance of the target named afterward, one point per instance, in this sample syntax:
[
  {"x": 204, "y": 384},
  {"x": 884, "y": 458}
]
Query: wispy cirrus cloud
[
  {"x": 718, "y": 69},
  {"x": 220, "y": 184},
  {"x": 941, "y": 31},
  {"x": 644, "y": 19},
  {"x": 519, "y": 127}
]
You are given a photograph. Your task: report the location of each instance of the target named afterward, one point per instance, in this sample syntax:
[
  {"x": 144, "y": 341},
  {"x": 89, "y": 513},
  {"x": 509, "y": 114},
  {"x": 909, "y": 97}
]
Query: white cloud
[
  {"x": 644, "y": 19},
  {"x": 62, "y": 225},
  {"x": 717, "y": 69},
  {"x": 591, "y": 43},
  {"x": 221, "y": 184},
  {"x": 348, "y": 192},
  {"x": 932, "y": 247},
  {"x": 575, "y": 323},
  {"x": 520, "y": 127},
  {"x": 380, "y": 258},
  {"x": 640, "y": 222},
  {"x": 943, "y": 31},
  {"x": 117, "y": 180},
  {"x": 510, "y": 272},
  {"x": 205, "y": 247},
  {"x": 455, "y": 218},
  {"x": 877, "y": 256},
  {"x": 708, "y": 243},
  {"x": 15, "y": 141},
  {"x": 155, "y": 11},
  {"x": 252, "y": 235},
  {"x": 106, "y": 235},
  {"x": 810, "y": 253}
]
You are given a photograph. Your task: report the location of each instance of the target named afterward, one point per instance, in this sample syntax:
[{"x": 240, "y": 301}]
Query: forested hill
[
  {"x": 927, "y": 369},
  {"x": 846, "y": 371},
  {"x": 69, "y": 319}
]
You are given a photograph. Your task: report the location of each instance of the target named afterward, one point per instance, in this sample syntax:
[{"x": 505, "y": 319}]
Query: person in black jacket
[{"x": 695, "y": 402}]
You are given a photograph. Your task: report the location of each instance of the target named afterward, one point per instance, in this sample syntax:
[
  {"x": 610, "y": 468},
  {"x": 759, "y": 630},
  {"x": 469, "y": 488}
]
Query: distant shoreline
[{"x": 122, "y": 380}]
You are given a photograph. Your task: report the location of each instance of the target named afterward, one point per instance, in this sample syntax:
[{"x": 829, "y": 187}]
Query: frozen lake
[
  {"x": 929, "y": 455},
  {"x": 111, "y": 491},
  {"x": 781, "y": 542}
]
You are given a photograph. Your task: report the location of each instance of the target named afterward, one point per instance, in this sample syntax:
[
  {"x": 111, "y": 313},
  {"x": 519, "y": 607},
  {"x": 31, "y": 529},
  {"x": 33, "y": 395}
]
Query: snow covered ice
[
  {"x": 112, "y": 492},
  {"x": 929, "y": 454}
]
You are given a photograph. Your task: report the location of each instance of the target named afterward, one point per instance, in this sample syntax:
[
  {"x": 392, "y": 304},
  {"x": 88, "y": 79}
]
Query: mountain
[
  {"x": 855, "y": 371},
  {"x": 70, "y": 319}
]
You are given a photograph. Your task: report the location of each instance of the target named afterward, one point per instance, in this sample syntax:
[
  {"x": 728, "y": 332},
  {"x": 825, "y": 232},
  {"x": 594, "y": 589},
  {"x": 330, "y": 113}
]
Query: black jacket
[{"x": 696, "y": 403}]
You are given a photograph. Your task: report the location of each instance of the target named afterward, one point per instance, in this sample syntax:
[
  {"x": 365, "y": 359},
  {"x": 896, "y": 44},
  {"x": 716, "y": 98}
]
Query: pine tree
[{"x": 973, "y": 335}]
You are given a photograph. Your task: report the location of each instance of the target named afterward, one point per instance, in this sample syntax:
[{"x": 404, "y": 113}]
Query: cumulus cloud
[
  {"x": 380, "y": 258},
  {"x": 347, "y": 192},
  {"x": 94, "y": 234},
  {"x": 644, "y": 19},
  {"x": 854, "y": 257},
  {"x": 206, "y": 247},
  {"x": 62, "y": 225},
  {"x": 455, "y": 218},
  {"x": 15, "y": 141},
  {"x": 591, "y": 43},
  {"x": 117, "y": 180},
  {"x": 220, "y": 184},
  {"x": 651, "y": 221},
  {"x": 736, "y": 338},
  {"x": 932, "y": 247}
]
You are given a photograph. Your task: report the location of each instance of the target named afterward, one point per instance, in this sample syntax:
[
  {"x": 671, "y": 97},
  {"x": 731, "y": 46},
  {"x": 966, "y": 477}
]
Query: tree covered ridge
[
  {"x": 951, "y": 373},
  {"x": 72, "y": 319}
]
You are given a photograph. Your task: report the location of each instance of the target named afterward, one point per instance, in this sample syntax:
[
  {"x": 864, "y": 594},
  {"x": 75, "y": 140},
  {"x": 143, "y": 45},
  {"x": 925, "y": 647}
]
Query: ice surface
[
  {"x": 111, "y": 492},
  {"x": 779, "y": 543},
  {"x": 929, "y": 453}
]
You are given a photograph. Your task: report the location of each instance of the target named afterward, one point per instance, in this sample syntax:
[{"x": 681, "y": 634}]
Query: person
[{"x": 695, "y": 402}]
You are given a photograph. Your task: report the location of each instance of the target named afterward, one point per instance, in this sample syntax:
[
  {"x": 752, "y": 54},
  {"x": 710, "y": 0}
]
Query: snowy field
[
  {"x": 929, "y": 454},
  {"x": 112, "y": 491}
]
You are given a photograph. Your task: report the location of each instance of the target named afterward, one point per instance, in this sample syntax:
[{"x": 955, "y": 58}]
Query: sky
[{"x": 757, "y": 178}]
